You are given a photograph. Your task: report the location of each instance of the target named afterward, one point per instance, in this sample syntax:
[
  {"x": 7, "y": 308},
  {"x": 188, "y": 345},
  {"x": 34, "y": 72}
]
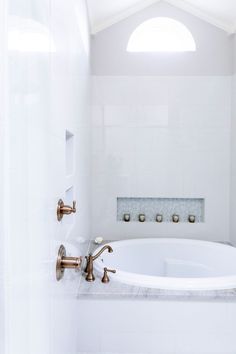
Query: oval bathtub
[{"x": 172, "y": 264}]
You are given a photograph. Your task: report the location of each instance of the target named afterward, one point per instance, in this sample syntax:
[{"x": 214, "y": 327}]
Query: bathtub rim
[{"x": 169, "y": 283}]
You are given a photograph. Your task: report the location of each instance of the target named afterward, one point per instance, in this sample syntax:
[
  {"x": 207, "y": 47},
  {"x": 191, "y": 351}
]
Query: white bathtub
[{"x": 172, "y": 264}]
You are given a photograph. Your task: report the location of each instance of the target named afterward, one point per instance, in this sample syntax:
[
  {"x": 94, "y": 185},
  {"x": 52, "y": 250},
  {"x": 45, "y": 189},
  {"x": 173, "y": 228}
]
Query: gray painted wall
[{"x": 213, "y": 55}]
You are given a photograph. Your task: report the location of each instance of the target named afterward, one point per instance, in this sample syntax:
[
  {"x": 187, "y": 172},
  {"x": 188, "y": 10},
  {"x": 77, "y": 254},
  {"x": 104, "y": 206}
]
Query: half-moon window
[{"x": 161, "y": 34}]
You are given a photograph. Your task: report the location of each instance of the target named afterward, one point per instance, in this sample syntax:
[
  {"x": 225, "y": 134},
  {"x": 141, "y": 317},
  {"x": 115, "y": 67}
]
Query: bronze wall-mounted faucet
[
  {"x": 64, "y": 262},
  {"x": 90, "y": 259}
]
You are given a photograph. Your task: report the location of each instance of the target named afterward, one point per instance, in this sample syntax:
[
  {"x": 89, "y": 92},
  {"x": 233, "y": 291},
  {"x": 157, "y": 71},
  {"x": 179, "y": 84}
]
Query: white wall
[
  {"x": 213, "y": 56},
  {"x": 161, "y": 127},
  {"x": 233, "y": 151},
  {"x": 49, "y": 89},
  {"x": 161, "y": 137},
  {"x": 3, "y": 164},
  {"x": 151, "y": 326}
]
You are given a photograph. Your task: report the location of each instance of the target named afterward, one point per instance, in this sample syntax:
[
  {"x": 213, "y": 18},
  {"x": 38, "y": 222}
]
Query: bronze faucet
[{"x": 90, "y": 259}]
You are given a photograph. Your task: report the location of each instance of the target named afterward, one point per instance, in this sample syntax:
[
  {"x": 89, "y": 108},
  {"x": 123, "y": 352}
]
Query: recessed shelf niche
[
  {"x": 167, "y": 207},
  {"x": 69, "y": 153}
]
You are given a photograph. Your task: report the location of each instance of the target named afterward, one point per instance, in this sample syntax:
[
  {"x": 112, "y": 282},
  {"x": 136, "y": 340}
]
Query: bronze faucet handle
[
  {"x": 67, "y": 209},
  {"x": 63, "y": 209},
  {"x": 73, "y": 209},
  {"x": 105, "y": 278}
]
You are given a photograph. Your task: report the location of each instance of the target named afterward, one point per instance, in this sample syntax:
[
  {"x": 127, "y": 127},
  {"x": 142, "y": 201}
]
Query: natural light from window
[{"x": 161, "y": 34}]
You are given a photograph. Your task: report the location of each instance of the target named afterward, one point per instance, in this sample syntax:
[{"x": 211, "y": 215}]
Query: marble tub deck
[{"x": 116, "y": 290}]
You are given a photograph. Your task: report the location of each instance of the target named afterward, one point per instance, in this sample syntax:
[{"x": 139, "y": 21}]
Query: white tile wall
[
  {"x": 3, "y": 170},
  {"x": 151, "y": 327},
  {"x": 48, "y": 93},
  {"x": 161, "y": 137},
  {"x": 233, "y": 153},
  {"x": 233, "y": 164}
]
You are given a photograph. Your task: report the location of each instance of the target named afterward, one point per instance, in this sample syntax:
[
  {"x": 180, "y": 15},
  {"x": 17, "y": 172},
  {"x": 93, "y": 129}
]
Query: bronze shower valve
[{"x": 63, "y": 209}]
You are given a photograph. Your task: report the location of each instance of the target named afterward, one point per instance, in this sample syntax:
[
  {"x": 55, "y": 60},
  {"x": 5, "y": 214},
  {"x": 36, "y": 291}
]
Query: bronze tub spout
[{"x": 90, "y": 259}]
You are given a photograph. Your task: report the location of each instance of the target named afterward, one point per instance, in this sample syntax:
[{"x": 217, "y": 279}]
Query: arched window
[{"x": 161, "y": 34}]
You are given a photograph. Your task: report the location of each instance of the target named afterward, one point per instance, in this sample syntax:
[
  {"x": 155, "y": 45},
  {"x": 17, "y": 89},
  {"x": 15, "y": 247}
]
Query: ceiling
[{"x": 104, "y": 13}]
